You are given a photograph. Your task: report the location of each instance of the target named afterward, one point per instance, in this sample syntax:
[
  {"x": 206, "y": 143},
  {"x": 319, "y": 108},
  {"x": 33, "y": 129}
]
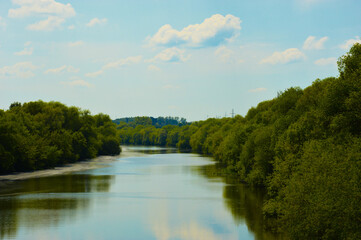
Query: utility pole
[{"x": 232, "y": 114}]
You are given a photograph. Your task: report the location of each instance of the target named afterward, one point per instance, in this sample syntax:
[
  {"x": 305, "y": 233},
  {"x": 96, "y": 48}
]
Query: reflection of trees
[
  {"x": 244, "y": 203},
  {"x": 47, "y": 201},
  {"x": 8, "y": 224},
  {"x": 154, "y": 151}
]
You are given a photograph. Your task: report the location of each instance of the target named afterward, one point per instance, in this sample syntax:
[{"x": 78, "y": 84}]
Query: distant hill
[{"x": 157, "y": 122}]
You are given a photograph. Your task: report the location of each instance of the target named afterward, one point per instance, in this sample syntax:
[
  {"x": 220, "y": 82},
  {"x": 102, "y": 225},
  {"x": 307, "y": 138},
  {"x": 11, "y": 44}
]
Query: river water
[{"x": 155, "y": 193}]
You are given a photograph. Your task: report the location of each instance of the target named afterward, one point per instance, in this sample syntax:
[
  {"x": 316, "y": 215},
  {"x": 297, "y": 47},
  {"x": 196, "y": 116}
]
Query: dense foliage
[
  {"x": 38, "y": 135},
  {"x": 304, "y": 146},
  {"x": 156, "y": 122}
]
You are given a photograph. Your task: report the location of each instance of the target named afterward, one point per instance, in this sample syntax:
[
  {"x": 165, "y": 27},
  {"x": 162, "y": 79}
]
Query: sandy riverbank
[{"x": 97, "y": 162}]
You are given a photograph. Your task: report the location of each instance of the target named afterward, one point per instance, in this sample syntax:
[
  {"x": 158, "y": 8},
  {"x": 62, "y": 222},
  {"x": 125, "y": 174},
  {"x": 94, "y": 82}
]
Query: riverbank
[{"x": 98, "y": 162}]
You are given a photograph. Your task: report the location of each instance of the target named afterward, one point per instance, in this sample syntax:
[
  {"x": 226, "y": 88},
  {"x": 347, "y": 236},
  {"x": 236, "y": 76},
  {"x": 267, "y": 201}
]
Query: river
[{"x": 152, "y": 193}]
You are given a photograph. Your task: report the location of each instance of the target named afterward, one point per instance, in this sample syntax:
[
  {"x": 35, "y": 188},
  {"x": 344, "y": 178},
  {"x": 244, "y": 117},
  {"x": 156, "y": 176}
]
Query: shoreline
[{"x": 98, "y": 162}]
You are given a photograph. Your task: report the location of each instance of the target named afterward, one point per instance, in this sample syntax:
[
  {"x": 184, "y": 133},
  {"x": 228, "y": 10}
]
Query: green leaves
[{"x": 38, "y": 135}]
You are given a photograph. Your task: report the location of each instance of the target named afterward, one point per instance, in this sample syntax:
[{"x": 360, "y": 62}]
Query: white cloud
[
  {"x": 51, "y": 23},
  {"x": 62, "y": 69},
  {"x": 226, "y": 55},
  {"x": 72, "y": 69},
  {"x": 120, "y": 63},
  {"x": 94, "y": 74},
  {"x": 96, "y": 21},
  {"x": 312, "y": 43},
  {"x": 223, "y": 53},
  {"x": 71, "y": 27},
  {"x": 26, "y": 51},
  {"x": 41, "y": 7},
  {"x": 289, "y": 55},
  {"x": 257, "y": 90},
  {"x": 326, "y": 61},
  {"x": 169, "y": 55},
  {"x": 211, "y": 32},
  {"x": 2, "y": 23},
  {"x": 153, "y": 68},
  {"x": 56, "y": 70},
  {"x": 75, "y": 44},
  {"x": 77, "y": 82},
  {"x": 54, "y": 12},
  {"x": 348, "y": 43},
  {"x": 20, "y": 70}
]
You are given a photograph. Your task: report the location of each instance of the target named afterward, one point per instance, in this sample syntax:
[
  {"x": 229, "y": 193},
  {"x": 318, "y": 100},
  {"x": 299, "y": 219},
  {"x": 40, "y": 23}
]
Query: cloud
[
  {"x": 312, "y": 43},
  {"x": 211, "y": 32},
  {"x": 153, "y": 68},
  {"x": 20, "y": 70},
  {"x": 289, "y": 55},
  {"x": 169, "y": 55},
  {"x": 71, "y": 27},
  {"x": 96, "y": 21},
  {"x": 54, "y": 12},
  {"x": 2, "y": 23},
  {"x": 77, "y": 82},
  {"x": 94, "y": 74},
  {"x": 226, "y": 55},
  {"x": 26, "y": 51},
  {"x": 51, "y": 23},
  {"x": 326, "y": 61},
  {"x": 30, "y": 8},
  {"x": 75, "y": 44},
  {"x": 62, "y": 69},
  {"x": 116, "y": 64},
  {"x": 72, "y": 69},
  {"x": 257, "y": 90},
  {"x": 349, "y": 43},
  {"x": 122, "y": 62}
]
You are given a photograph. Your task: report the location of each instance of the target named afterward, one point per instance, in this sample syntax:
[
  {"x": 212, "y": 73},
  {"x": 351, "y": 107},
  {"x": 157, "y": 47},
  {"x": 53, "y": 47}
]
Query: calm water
[{"x": 159, "y": 195}]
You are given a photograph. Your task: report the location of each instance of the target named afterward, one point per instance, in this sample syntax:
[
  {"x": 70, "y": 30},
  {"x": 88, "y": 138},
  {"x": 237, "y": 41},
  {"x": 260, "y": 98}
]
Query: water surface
[{"x": 158, "y": 193}]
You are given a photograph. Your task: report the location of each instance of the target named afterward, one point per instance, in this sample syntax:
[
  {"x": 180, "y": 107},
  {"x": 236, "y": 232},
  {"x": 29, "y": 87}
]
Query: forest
[
  {"x": 156, "y": 122},
  {"x": 304, "y": 146},
  {"x": 39, "y": 135}
]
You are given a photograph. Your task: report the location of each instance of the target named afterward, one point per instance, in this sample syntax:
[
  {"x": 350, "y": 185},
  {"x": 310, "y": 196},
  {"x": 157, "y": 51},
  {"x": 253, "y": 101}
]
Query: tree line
[
  {"x": 304, "y": 146},
  {"x": 156, "y": 122},
  {"x": 39, "y": 135}
]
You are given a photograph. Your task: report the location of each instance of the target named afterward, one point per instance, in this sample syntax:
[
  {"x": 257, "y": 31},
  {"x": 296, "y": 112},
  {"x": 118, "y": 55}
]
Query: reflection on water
[
  {"x": 159, "y": 194},
  {"x": 70, "y": 183},
  {"x": 244, "y": 202},
  {"x": 150, "y": 149},
  {"x": 37, "y": 202}
]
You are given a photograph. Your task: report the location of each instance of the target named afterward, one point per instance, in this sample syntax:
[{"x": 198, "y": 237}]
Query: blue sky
[{"x": 191, "y": 59}]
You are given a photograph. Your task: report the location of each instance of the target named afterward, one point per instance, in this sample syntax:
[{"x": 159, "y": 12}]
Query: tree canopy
[{"x": 38, "y": 135}]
